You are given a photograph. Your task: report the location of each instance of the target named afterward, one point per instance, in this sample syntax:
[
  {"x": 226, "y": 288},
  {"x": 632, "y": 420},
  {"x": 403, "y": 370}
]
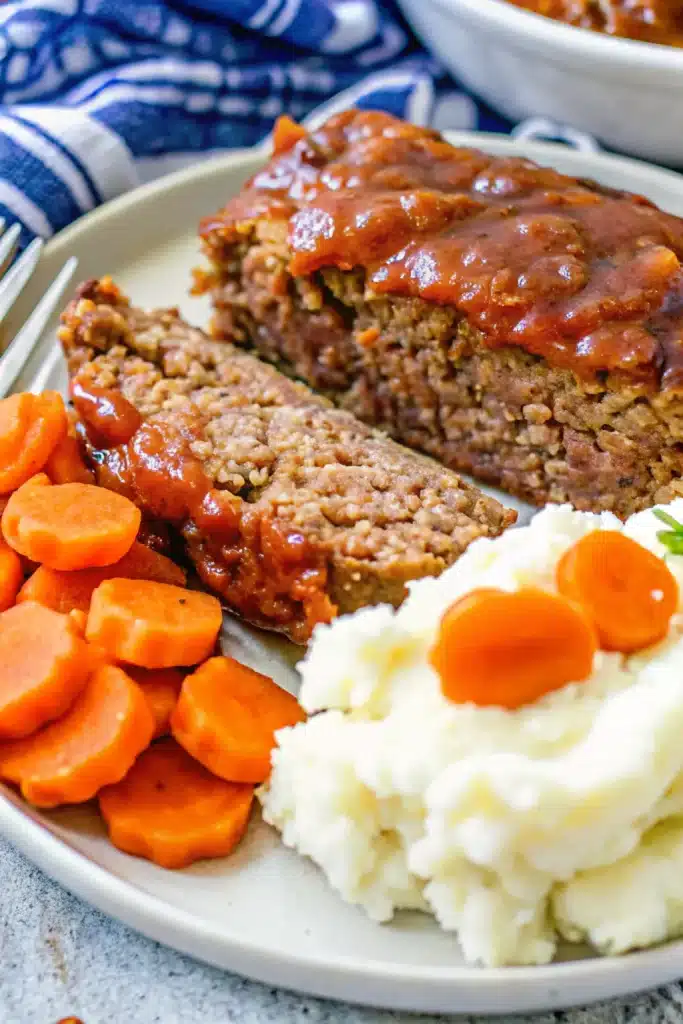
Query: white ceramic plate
[{"x": 265, "y": 912}]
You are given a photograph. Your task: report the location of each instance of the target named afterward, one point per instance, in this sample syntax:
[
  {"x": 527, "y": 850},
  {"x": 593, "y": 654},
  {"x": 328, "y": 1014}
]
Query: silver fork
[{"x": 14, "y": 276}]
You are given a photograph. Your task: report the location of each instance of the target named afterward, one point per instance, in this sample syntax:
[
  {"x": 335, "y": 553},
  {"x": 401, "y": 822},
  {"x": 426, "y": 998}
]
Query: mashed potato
[{"x": 561, "y": 818}]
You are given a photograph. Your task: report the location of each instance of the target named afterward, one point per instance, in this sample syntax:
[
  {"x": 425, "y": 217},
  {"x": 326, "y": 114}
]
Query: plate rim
[
  {"x": 527, "y": 988},
  {"x": 214, "y": 165}
]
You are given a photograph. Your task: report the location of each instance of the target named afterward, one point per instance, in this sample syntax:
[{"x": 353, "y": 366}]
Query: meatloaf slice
[
  {"x": 514, "y": 323},
  {"x": 290, "y": 509}
]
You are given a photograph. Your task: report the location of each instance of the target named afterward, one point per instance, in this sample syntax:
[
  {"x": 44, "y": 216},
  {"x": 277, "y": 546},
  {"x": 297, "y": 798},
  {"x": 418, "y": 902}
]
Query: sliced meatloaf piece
[
  {"x": 290, "y": 509},
  {"x": 513, "y": 322}
]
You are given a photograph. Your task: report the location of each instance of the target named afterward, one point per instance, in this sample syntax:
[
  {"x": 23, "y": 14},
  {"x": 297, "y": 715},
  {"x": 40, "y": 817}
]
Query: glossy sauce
[
  {"x": 584, "y": 276},
  {"x": 265, "y": 570},
  {"x": 650, "y": 21},
  {"x": 109, "y": 417},
  {"x": 155, "y": 535}
]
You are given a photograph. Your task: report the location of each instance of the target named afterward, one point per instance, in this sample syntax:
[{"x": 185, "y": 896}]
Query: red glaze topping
[
  {"x": 587, "y": 277},
  {"x": 262, "y": 568}
]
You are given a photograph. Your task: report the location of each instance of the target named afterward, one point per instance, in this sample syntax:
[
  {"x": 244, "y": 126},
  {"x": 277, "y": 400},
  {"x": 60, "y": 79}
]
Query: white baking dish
[{"x": 628, "y": 94}]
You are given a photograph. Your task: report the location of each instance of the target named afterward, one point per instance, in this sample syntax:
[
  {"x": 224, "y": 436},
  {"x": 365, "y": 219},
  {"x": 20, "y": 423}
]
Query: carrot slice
[
  {"x": 30, "y": 428},
  {"x": 43, "y": 666},
  {"x": 37, "y": 480},
  {"x": 161, "y": 687},
  {"x": 170, "y": 810},
  {"x": 628, "y": 593},
  {"x": 508, "y": 649},
  {"x": 144, "y": 563},
  {"x": 92, "y": 745},
  {"x": 286, "y": 134},
  {"x": 78, "y": 620},
  {"x": 11, "y": 576},
  {"x": 65, "y": 591},
  {"x": 227, "y": 715},
  {"x": 27, "y": 566},
  {"x": 66, "y": 465},
  {"x": 153, "y": 625},
  {"x": 70, "y": 526}
]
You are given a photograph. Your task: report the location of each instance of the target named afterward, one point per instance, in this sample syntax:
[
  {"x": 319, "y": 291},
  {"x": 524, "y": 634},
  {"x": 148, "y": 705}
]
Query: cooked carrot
[
  {"x": 227, "y": 715},
  {"x": 39, "y": 480},
  {"x": 170, "y": 810},
  {"x": 78, "y": 620},
  {"x": 508, "y": 649},
  {"x": 628, "y": 593},
  {"x": 161, "y": 687},
  {"x": 92, "y": 745},
  {"x": 30, "y": 428},
  {"x": 70, "y": 526},
  {"x": 11, "y": 576},
  {"x": 73, "y": 422},
  {"x": 27, "y": 566},
  {"x": 144, "y": 563},
  {"x": 43, "y": 666},
  {"x": 65, "y": 591},
  {"x": 153, "y": 625},
  {"x": 66, "y": 464},
  {"x": 286, "y": 134},
  {"x": 62, "y": 591}
]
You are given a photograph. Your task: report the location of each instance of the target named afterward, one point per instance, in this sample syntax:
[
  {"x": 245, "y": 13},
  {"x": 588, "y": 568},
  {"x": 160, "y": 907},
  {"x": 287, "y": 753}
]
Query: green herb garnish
[{"x": 672, "y": 539}]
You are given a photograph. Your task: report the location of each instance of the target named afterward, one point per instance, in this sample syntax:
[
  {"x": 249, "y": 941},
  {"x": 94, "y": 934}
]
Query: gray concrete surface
[{"x": 58, "y": 957}]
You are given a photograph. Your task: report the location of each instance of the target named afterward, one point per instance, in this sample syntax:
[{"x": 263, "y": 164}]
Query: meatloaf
[
  {"x": 290, "y": 509},
  {"x": 513, "y": 322}
]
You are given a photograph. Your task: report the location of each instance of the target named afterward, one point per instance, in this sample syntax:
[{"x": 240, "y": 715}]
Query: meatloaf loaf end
[
  {"x": 290, "y": 509},
  {"x": 515, "y": 323}
]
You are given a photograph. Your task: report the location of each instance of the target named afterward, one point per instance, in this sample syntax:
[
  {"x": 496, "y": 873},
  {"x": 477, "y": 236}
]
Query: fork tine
[
  {"x": 17, "y": 276},
  {"x": 8, "y": 244},
  {"x": 19, "y": 351}
]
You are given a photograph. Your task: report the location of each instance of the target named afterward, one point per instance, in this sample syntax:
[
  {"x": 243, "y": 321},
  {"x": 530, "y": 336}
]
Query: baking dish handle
[{"x": 543, "y": 129}]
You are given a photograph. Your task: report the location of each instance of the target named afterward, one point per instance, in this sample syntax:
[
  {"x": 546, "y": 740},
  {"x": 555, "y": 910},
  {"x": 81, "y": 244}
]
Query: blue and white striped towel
[{"x": 99, "y": 95}]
